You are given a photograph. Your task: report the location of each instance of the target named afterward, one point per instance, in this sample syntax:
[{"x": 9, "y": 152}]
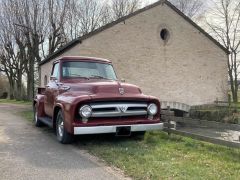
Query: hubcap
[
  {"x": 36, "y": 115},
  {"x": 60, "y": 127}
]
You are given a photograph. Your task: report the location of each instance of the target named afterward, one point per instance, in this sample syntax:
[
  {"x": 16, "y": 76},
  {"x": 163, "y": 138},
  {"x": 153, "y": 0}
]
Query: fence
[{"x": 170, "y": 126}]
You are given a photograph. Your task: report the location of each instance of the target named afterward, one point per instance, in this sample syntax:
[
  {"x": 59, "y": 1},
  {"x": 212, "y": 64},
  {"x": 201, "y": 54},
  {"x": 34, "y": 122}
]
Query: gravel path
[{"x": 27, "y": 152}]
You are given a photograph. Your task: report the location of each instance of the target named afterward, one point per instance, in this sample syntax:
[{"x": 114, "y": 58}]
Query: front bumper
[{"x": 113, "y": 129}]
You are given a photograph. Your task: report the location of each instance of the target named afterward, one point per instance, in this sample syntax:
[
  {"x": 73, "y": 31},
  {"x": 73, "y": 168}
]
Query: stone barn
[{"x": 159, "y": 49}]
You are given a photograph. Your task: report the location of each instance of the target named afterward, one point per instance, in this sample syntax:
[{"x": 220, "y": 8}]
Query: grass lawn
[
  {"x": 158, "y": 156},
  {"x": 15, "y": 101}
]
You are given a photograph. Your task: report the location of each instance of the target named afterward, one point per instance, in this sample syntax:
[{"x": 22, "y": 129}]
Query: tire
[
  {"x": 36, "y": 121},
  {"x": 62, "y": 135}
]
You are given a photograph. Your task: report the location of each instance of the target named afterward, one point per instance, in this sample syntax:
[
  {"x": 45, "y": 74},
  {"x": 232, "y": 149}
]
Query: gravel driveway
[{"x": 27, "y": 152}]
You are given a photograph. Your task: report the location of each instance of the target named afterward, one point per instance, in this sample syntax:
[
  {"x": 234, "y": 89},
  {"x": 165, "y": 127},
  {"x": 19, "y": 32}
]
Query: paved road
[{"x": 27, "y": 152}]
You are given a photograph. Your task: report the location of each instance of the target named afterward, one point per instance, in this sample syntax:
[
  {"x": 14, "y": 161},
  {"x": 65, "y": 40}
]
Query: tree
[
  {"x": 57, "y": 11},
  {"x": 85, "y": 16},
  {"x": 226, "y": 28},
  {"x": 12, "y": 53},
  {"x": 122, "y": 8},
  {"x": 28, "y": 27},
  {"x": 4, "y": 86},
  {"x": 192, "y": 8},
  {"x": 30, "y": 19}
]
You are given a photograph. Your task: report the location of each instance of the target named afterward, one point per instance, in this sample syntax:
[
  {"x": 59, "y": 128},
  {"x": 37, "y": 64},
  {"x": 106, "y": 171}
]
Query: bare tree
[
  {"x": 7, "y": 66},
  {"x": 122, "y": 8},
  {"x": 90, "y": 15},
  {"x": 28, "y": 28},
  {"x": 31, "y": 20},
  {"x": 4, "y": 86},
  {"x": 27, "y": 17},
  {"x": 85, "y": 16},
  {"x": 224, "y": 23},
  {"x": 57, "y": 11},
  {"x": 12, "y": 54},
  {"x": 191, "y": 8},
  {"x": 72, "y": 25}
]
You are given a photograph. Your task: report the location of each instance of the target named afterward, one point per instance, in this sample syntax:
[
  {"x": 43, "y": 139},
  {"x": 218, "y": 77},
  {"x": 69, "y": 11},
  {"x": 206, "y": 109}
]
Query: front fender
[{"x": 68, "y": 105}]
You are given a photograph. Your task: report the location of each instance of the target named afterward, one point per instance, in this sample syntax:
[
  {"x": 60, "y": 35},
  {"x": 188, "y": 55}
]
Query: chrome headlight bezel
[
  {"x": 152, "y": 109},
  {"x": 85, "y": 111}
]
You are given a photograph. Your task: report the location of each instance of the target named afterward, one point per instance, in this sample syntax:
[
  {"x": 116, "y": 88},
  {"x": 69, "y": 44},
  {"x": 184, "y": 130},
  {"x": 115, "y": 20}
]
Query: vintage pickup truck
[{"x": 84, "y": 96}]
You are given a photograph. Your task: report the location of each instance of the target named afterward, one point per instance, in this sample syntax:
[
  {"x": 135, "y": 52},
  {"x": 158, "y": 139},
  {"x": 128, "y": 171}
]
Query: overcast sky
[{"x": 146, "y": 2}]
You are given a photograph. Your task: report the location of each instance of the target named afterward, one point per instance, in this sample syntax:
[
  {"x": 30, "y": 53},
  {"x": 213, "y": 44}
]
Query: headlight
[
  {"x": 85, "y": 111},
  {"x": 152, "y": 109}
]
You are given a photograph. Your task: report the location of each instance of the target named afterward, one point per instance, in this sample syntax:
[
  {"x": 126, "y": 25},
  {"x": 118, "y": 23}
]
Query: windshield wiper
[
  {"x": 98, "y": 77},
  {"x": 79, "y": 76}
]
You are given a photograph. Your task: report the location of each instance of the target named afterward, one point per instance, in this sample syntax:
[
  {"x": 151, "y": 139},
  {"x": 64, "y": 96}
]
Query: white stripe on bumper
[{"x": 112, "y": 129}]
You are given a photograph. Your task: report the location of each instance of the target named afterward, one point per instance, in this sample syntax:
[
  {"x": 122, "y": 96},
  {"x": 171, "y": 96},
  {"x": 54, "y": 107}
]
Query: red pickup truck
[{"x": 84, "y": 96}]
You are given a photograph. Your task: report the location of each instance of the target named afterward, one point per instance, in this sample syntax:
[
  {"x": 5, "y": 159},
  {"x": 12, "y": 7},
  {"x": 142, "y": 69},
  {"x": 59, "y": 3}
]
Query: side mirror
[{"x": 53, "y": 78}]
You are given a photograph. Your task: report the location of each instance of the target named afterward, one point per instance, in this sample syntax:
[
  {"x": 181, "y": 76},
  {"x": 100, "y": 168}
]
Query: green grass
[
  {"x": 28, "y": 115},
  {"x": 15, "y": 102},
  {"x": 159, "y": 156}
]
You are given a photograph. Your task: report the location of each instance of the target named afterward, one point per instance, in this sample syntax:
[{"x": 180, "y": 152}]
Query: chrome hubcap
[
  {"x": 36, "y": 115},
  {"x": 60, "y": 127}
]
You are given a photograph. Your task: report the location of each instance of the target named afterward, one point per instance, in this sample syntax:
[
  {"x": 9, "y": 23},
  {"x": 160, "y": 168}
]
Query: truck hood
[
  {"x": 101, "y": 91},
  {"x": 103, "y": 87}
]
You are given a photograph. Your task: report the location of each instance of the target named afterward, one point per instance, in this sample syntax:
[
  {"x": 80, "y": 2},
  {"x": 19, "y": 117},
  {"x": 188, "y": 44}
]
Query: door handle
[
  {"x": 47, "y": 86},
  {"x": 65, "y": 88}
]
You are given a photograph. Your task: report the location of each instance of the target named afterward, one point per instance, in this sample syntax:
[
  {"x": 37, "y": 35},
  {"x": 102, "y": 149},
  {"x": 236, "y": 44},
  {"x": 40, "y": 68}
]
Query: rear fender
[{"x": 39, "y": 101}]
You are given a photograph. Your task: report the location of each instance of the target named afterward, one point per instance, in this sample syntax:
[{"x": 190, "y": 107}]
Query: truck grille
[{"x": 118, "y": 109}]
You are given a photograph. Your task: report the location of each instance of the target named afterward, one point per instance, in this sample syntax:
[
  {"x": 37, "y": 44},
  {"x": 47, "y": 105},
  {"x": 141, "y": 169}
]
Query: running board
[{"x": 46, "y": 120}]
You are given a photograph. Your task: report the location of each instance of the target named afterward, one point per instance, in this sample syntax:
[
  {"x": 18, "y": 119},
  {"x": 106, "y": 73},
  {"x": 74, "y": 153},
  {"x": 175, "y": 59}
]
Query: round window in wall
[{"x": 164, "y": 35}]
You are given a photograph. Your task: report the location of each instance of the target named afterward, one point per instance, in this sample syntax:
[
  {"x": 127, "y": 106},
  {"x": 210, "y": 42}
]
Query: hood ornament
[
  {"x": 121, "y": 91},
  {"x": 122, "y": 108}
]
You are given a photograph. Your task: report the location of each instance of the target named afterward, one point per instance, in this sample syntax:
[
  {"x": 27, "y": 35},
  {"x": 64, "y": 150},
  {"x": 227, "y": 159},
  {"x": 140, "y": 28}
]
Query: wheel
[
  {"x": 36, "y": 121},
  {"x": 62, "y": 135}
]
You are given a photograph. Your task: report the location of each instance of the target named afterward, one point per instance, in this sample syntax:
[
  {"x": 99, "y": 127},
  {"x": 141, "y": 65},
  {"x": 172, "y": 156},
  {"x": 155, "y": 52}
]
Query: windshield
[{"x": 80, "y": 69}]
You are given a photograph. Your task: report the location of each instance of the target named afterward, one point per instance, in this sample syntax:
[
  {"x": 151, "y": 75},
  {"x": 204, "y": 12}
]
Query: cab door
[{"x": 51, "y": 90}]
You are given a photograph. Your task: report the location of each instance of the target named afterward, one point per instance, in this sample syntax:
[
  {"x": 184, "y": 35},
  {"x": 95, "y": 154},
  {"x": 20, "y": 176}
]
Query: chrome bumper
[{"x": 112, "y": 129}]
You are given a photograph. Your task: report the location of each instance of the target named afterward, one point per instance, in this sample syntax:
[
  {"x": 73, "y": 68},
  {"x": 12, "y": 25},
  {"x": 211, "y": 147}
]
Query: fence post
[{"x": 168, "y": 119}]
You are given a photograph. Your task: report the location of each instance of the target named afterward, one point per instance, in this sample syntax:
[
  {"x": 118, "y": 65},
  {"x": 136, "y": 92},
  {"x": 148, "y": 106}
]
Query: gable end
[{"x": 111, "y": 24}]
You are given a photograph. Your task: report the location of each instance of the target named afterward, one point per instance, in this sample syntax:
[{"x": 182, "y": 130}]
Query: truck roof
[{"x": 84, "y": 58}]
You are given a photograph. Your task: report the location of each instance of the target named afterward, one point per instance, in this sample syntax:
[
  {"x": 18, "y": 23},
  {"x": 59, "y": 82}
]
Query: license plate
[{"x": 123, "y": 131}]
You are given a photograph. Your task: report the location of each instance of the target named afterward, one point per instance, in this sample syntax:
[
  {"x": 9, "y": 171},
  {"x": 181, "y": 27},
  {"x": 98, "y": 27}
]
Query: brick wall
[{"x": 189, "y": 68}]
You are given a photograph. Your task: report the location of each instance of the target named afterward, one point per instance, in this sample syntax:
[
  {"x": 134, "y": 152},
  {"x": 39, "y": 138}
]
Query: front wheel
[{"x": 62, "y": 135}]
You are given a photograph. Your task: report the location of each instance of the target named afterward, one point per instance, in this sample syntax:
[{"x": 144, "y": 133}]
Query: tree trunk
[
  {"x": 235, "y": 100},
  {"x": 235, "y": 97},
  {"x": 233, "y": 80},
  {"x": 19, "y": 87},
  {"x": 11, "y": 89},
  {"x": 30, "y": 82}
]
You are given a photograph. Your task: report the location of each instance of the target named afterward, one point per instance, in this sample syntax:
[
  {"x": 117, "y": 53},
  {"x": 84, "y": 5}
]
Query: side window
[{"x": 55, "y": 72}]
